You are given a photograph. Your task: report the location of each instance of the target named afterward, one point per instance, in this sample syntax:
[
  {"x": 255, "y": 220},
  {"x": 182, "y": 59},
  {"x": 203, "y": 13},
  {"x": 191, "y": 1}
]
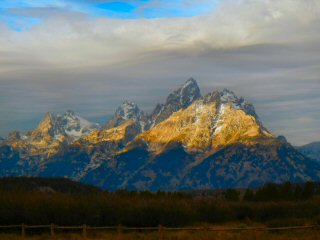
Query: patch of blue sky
[
  {"x": 19, "y": 23},
  {"x": 5, "y": 4},
  {"x": 129, "y": 9},
  {"x": 117, "y": 6},
  {"x": 155, "y": 8},
  {"x": 114, "y": 10}
]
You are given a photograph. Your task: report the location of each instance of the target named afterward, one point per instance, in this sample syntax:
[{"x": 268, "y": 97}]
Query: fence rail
[{"x": 52, "y": 227}]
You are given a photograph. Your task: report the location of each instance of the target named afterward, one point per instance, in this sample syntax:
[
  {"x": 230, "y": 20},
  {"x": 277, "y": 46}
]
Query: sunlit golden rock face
[
  {"x": 53, "y": 133},
  {"x": 193, "y": 127},
  {"x": 122, "y": 133},
  {"x": 206, "y": 125},
  {"x": 43, "y": 138},
  {"x": 127, "y": 122},
  {"x": 41, "y": 141},
  {"x": 234, "y": 125}
]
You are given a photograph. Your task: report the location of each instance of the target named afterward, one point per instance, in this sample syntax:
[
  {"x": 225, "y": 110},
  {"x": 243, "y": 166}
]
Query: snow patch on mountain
[
  {"x": 218, "y": 122},
  {"x": 127, "y": 111},
  {"x": 227, "y": 96},
  {"x": 75, "y": 126},
  {"x": 62, "y": 127}
]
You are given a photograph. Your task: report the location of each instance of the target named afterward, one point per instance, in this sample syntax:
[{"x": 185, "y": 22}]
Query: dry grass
[{"x": 305, "y": 234}]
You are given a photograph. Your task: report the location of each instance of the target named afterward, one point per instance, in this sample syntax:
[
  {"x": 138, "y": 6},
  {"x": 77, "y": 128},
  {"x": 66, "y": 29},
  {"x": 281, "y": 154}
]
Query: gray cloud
[{"x": 266, "y": 51}]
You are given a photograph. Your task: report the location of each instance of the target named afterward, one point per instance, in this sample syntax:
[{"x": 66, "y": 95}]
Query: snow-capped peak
[
  {"x": 184, "y": 96},
  {"x": 129, "y": 110},
  {"x": 75, "y": 126},
  {"x": 228, "y": 96},
  {"x": 70, "y": 113},
  {"x": 126, "y": 111},
  {"x": 69, "y": 125},
  {"x": 176, "y": 100}
]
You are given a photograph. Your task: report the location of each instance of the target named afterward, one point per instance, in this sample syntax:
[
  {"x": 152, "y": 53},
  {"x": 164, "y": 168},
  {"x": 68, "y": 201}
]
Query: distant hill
[
  {"x": 311, "y": 150},
  {"x": 46, "y": 185}
]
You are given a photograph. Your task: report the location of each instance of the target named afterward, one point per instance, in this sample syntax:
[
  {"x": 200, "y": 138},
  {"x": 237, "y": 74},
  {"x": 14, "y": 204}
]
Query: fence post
[
  {"x": 23, "y": 231},
  {"x": 52, "y": 230},
  {"x": 255, "y": 234},
  {"x": 84, "y": 231},
  {"x": 160, "y": 232},
  {"x": 119, "y": 232},
  {"x": 206, "y": 233}
]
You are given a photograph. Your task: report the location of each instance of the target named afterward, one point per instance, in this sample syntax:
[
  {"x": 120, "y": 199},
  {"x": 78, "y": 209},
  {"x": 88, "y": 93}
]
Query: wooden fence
[{"x": 161, "y": 229}]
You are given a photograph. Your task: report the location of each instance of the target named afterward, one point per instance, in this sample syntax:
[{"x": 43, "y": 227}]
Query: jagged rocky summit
[
  {"x": 188, "y": 142},
  {"x": 178, "y": 99}
]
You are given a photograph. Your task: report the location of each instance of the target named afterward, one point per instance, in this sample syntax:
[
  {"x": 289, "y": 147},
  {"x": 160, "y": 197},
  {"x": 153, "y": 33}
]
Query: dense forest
[{"x": 63, "y": 202}]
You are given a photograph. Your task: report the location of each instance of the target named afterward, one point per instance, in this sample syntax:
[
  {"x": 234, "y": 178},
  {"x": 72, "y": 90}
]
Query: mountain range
[{"x": 188, "y": 142}]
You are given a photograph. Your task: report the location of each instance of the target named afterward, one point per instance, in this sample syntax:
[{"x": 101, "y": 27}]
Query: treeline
[
  {"x": 275, "y": 192},
  {"x": 167, "y": 208}
]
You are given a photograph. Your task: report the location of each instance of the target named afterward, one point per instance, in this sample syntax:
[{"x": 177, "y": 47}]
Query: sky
[{"x": 91, "y": 55}]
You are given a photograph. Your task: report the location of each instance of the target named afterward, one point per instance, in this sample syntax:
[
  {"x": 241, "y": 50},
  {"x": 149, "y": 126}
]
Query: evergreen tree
[
  {"x": 232, "y": 195},
  {"x": 308, "y": 190},
  {"x": 286, "y": 191},
  {"x": 248, "y": 195}
]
